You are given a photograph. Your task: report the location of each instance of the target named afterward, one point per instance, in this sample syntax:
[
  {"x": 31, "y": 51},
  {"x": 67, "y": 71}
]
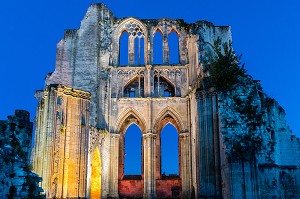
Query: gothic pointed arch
[
  {"x": 136, "y": 29},
  {"x": 173, "y": 29},
  {"x": 134, "y": 87},
  {"x": 168, "y": 80},
  {"x": 168, "y": 115},
  {"x": 128, "y": 117}
]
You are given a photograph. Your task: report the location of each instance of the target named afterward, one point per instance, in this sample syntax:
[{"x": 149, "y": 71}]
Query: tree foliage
[{"x": 223, "y": 66}]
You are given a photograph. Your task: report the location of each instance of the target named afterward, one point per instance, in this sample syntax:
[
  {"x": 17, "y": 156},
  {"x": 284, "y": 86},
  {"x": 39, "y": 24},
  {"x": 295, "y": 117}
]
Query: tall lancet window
[
  {"x": 173, "y": 42},
  {"x": 124, "y": 39},
  {"x": 158, "y": 48}
]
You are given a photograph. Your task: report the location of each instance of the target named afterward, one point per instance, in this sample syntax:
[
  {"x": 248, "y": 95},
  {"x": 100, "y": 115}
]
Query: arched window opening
[
  {"x": 157, "y": 48},
  {"x": 124, "y": 39},
  {"x": 133, "y": 150},
  {"x": 173, "y": 42},
  {"x": 132, "y": 46},
  {"x": 162, "y": 88},
  {"x": 135, "y": 88},
  {"x": 169, "y": 151}
]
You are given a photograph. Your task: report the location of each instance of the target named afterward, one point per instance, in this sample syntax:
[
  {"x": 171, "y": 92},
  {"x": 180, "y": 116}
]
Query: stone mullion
[
  {"x": 184, "y": 139},
  {"x": 131, "y": 50},
  {"x": 114, "y": 163},
  {"x": 117, "y": 86},
  {"x": 166, "y": 54},
  {"x": 175, "y": 87},
  {"x": 147, "y": 82},
  {"x": 150, "y": 48},
  {"x": 139, "y": 77},
  {"x": 149, "y": 165},
  {"x": 122, "y": 92},
  {"x": 158, "y": 85}
]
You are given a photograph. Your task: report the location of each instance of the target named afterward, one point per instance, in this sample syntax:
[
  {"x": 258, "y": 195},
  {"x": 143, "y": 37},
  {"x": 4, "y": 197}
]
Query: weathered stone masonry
[{"x": 90, "y": 100}]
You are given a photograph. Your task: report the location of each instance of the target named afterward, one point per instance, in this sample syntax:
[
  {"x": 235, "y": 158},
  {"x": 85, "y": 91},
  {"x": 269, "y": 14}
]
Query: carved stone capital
[
  {"x": 64, "y": 90},
  {"x": 184, "y": 135},
  {"x": 115, "y": 136},
  {"x": 96, "y": 137},
  {"x": 149, "y": 135},
  {"x": 148, "y": 67}
]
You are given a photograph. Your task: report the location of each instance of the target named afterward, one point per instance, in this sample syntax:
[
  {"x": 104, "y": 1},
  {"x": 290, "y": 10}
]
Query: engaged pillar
[
  {"x": 149, "y": 165},
  {"x": 185, "y": 162},
  {"x": 114, "y": 163}
]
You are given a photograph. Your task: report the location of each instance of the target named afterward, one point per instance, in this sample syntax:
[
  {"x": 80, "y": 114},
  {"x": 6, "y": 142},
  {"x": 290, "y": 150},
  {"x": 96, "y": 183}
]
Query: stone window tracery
[
  {"x": 136, "y": 41},
  {"x": 161, "y": 85}
]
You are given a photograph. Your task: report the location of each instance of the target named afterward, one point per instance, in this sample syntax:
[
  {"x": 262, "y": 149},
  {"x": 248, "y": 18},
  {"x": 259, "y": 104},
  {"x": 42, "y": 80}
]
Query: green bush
[{"x": 223, "y": 66}]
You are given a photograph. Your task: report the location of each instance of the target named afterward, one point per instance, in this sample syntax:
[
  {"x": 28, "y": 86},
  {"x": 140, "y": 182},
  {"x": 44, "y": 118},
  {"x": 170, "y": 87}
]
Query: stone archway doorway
[{"x": 96, "y": 175}]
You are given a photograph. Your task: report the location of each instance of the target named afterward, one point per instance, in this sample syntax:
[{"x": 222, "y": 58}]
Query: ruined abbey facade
[{"x": 91, "y": 99}]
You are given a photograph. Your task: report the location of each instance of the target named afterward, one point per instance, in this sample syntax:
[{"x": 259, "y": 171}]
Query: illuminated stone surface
[
  {"x": 87, "y": 105},
  {"x": 96, "y": 175}
]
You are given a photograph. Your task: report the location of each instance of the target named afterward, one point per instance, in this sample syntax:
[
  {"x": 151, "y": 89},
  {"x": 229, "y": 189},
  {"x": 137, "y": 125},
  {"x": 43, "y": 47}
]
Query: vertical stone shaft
[
  {"x": 149, "y": 165},
  {"x": 114, "y": 161},
  {"x": 47, "y": 164},
  {"x": 66, "y": 151},
  {"x": 185, "y": 164},
  {"x": 216, "y": 143},
  {"x": 147, "y": 81},
  {"x": 131, "y": 51},
  {"x": 209, "y": 164},
  {"x": 166, "y": 59}
]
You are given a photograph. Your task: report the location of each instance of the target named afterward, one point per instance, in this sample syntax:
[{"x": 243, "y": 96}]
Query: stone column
[
  {"x": 149, "y": 165},
  {"x": 114, "y": 164},
  {"x": 185, "y": 164}
]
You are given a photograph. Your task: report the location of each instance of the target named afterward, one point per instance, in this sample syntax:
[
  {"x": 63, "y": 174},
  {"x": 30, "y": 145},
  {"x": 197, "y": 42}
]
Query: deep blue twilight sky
[{"x": 266, "y": 32}]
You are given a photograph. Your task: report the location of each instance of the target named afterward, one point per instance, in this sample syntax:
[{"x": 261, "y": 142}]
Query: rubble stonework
[
  {"x": 17, "y": 181},
  {"x": 231, "y": 145},
  {"x": 259, "y": 142}
]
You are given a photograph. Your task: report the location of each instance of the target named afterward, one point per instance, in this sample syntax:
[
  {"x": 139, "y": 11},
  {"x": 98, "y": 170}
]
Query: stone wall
[
  {"x": 61, "y": 141},
  {"x": 228, "y": 141},
  {"x": 259, "y": 144},
  {"x": 17, "y": 180}
]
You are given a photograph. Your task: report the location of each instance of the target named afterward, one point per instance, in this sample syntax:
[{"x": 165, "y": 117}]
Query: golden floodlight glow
[{"x": 96, "y": 175}]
